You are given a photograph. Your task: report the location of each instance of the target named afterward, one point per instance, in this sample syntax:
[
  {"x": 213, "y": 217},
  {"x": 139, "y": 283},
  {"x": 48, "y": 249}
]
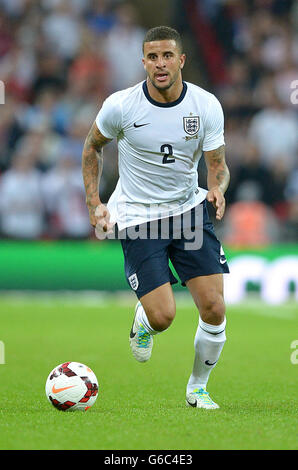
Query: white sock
[
  {"x": 208, "y": 343},
  {"x": 143, "y": 319}
]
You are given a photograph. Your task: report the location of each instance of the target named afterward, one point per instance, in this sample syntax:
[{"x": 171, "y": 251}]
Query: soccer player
[{"x": 163, "y": 126}]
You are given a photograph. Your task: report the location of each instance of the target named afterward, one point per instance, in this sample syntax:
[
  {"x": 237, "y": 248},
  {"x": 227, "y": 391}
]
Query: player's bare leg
[
  {"x": 154, "y": 313},
  {"x": 207, "y": 292},
  {"x": 160, "y": 307}
]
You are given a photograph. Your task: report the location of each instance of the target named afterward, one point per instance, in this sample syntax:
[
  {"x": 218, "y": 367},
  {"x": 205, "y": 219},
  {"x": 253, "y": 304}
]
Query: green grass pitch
[{"x": 142, "y": 406}]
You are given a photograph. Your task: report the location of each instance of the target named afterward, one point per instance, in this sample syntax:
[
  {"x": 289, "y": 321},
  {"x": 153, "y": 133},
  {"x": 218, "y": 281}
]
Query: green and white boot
[
  {"x": 199, "y": 398},
  {"x": 141, "y": 342}
]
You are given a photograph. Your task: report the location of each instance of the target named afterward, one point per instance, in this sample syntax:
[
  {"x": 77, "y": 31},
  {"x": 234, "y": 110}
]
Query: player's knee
[
  {"x": 213, "y": 310},
  {"x": 161, "y": 318}
]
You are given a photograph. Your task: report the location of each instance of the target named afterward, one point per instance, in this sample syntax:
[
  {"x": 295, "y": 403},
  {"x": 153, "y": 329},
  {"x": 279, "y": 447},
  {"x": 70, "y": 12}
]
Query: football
[{"x": 72, "y": 386}]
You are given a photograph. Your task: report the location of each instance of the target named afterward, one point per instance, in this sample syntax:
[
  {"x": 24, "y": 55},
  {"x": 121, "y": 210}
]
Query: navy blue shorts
[{"x": 190, "y": 243}]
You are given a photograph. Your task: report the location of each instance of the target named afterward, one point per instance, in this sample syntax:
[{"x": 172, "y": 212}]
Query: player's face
[{"x": 163, "y": 63}]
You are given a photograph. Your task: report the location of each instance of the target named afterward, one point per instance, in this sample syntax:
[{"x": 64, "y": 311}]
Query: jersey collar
[{"x": 164, "y": 105}]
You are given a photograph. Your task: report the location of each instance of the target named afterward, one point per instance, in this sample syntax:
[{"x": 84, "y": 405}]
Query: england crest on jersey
[
  {"x": 133, "y": 281},
  {"x": 191, "y": 124}
]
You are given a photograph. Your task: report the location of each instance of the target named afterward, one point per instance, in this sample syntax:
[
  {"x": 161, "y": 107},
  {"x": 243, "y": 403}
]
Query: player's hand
[
  {"x": 216, "y": 197},
  {"x": 100, "y": 219}
]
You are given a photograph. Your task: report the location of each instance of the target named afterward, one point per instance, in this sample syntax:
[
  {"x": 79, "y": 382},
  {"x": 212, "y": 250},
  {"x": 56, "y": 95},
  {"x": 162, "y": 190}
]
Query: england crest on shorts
[
  {"x": 133, "y": 281},
  {"x": 191, "y": 124}
]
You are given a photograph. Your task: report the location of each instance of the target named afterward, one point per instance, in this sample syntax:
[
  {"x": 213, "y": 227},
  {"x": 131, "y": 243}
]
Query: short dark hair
[{"x": 160, "y": 33}]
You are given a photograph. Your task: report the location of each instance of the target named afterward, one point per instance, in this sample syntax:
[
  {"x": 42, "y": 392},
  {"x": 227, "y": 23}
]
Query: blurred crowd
[
  {"x": 59, "y": 59},
  {"x": 258, "y": 88}
]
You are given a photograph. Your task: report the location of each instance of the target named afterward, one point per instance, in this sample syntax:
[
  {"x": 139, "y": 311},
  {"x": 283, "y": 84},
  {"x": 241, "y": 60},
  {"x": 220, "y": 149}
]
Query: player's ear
[{"x": 182, "y": 60}]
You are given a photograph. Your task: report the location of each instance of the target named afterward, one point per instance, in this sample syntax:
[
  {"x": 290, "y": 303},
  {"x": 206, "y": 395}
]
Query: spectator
[
  {"x": 248, "y": 221},
  {"x": 43, "y": 143},
  {"x": 64, "y": 194},
  {"x": 41, "y": 112},
  {"x": 62, "y": 30},
  {"x": 21, "y": 206},
  {"x": 78, "y": 128},
  {"x": 17, "y": 70},
  {"x": 250, "y": 172},
  {"x": 274, "y": 131},
  {"x": 236, "y": 95},
  {"x": 126, "y": 67},
  {"x": 101, "y": 19},
  {"x": 91, "y": 69},
  {"x": 236, "y": 140},
  {"x": 279, "y": 48},
  {"x": 50, "y": 74}
]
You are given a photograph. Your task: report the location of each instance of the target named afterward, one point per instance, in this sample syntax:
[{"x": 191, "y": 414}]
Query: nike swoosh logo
[
  {"x": 141, "y": 125},
  {"x": 222, "y": 261},
  {"x": 210, "y": 363},
  {"x": 192, "y": 404},
  {"x": 132, "y": 334},
  {"x": 57, "y": 390}
]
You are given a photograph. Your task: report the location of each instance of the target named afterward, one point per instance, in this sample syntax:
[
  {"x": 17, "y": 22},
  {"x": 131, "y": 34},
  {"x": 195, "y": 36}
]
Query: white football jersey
[{"x": 159, "y": 146}]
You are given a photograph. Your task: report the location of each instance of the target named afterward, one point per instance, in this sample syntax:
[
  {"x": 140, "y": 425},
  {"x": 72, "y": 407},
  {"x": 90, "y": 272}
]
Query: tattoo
[
  {"x": 92, "y": 164},
  {"x": 95, "y": 139},
  {"x": 217, "y": 155},
  {"x": 218, "y": 172}
]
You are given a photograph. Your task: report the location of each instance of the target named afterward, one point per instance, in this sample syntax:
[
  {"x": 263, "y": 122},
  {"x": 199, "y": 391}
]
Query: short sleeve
[
  {"x": 109, "y": 117},
  {"x": 214, "y": 126}
]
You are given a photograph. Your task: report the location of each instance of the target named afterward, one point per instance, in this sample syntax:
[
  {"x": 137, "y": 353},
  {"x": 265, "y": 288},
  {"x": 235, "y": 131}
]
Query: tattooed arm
[
  {"x": 218, "y": 179},
  {"x": 92, "y": 163}
]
